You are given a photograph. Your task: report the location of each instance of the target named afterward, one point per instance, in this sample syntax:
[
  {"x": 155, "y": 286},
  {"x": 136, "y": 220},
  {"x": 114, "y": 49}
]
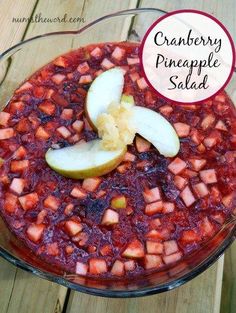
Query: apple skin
[
  {"x": 106, "y": 88},
  {"x": 93, "y": 171}
]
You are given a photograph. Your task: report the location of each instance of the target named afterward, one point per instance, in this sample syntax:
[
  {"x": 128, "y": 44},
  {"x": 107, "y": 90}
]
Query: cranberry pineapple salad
[{"x": 100, "y": 176}]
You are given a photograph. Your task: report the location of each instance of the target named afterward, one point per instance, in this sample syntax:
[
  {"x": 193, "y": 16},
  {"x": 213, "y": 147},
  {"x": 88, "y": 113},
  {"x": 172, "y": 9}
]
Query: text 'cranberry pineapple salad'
[{"x": 100, "y": 176}]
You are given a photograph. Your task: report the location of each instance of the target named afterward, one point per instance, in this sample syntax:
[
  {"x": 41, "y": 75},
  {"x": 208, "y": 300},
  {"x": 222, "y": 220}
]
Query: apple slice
[
  {"x": 157, "y": 130},
  {"x": 84, "y": 160},
  {"x": 104, "y": 90}
]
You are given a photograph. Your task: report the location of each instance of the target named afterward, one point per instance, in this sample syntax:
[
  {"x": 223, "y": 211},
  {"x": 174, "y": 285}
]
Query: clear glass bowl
[{"x": 16, "y": 65}]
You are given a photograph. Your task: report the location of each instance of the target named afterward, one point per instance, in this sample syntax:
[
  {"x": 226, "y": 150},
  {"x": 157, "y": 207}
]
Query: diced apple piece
[
  {"x": 201, "y": 190},
  {"x": 67, "y": 114},
  {"x": 177, "y": 166},
  {"x": 133, "y": 61},
  {"x": 20, "y": 153},
  {"x": 83, "y": 68},
  {"x": 170, "y": 247},
  {"x": 81, "y": 238},
  {"x": 78, "y": 126},
  {"x": 19, "y": 166},
  {"x": 91, "y": 184},
  {"x": 118, "y": 53},
  {"x": 154, "y": 247},
  {"x": 97, "y": 266},
  {"x": 180, "y": 182},
  {"x": 81, "y": 268},
  {"x": 187, "y": 196},
  {"x": 155, "y": 223},
  {"x": 129, "y": 265},
  {"x": 41, "y": 216},
  {"x": 69, "y": 249},
  {"x": 201, "y": 148},
  {"x": 182, "y": 129},
  {"x": 151, "y": 195},
  {"x": 142, "y": 145},
  {"x": 63, "y": 131},
  {"x": 107, "y": 64},
  {"x": 78, "y": 193},
  {"x": 190, "y": 173},
  {"x": 118, "y": 268},
  {"x": 110, "y": 217},
  {"x": 168, "y": 207},
  {"x": 101, "y": 193},
  {"x": 4, "y": 179},
  {"x": 153, "y": 208},
  {"x": 134, "y": 76},
  {"x": 168, "y": 259},
  {"x": 85, "y": 79},
  {"x": 17, "y": 185},
  {"x": 208, "y": 176},
  {"x": 42, "y": 134},
  {"x": 59, "y": 99},
  {"x": 1, "y": 162},
  {"x": 123, "y": 167},
  {"x": 73, "y": 227},
  {"x": 220, "y": 98},
  {"x": 198, "y": 164},
  {"x": 96, "y": 52},
  {"x": 220, "y": 125},
  {"x": 10, "y": 203},
  {"x": 60, "y": 61},
  {"x": 68, "y": 209},
  {"x": 119, "y": 202},
  {"x": 166, "y": 110},
  {"x": 106, "y": 250},
  {"x": 152, "y": 261},
  {"x": 134, "y": 249},
  {"x": 35, "y": 232},
  {"x": 17, "y": 106},
  {"x": 129, "y": 157},
  {"x": 196, "y": 136},
  {"x": 58, "y": 78},
  {"x": 142, "y": 84},
  {"x": 52, "y": 249},
  {"x": 6, "y": 133},
  {"x": 160, "y": 234},
  {"x": 229, "y": 200},
  {"x": 29, "y": 201},
  {"x": 4, "y": 118},
  {"x": 25, "y": 86},
  {"x": 149, "y": 98},
  {"x": 47, "y": 107},
  {"x": 208, "y": 121},
  {"x": 23, "y": 126},
  {"x": 206, "y": 227},
  {"x": 52, "y": 203},
  {"x": 210, "y": 141},
  {"x": 190, "y": 236}
]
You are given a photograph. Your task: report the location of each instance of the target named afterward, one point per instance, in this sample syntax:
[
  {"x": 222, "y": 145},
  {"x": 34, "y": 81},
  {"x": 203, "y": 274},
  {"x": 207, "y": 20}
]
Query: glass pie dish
[{"x": 17, "y": 64}]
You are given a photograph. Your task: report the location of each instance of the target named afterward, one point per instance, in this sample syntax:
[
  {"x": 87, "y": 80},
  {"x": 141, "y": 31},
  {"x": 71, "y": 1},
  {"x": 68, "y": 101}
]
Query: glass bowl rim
[{"x": 212, "y": 258}]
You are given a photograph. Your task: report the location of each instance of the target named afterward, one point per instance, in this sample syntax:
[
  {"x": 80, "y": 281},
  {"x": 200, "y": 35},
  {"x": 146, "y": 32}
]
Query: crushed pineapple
[{"x": 115, "y": 127}]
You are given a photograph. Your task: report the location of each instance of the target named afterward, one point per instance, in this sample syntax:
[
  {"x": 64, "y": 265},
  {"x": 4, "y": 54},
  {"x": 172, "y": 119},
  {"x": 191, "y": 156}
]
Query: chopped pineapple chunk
[{"x": 115, "y": 127}]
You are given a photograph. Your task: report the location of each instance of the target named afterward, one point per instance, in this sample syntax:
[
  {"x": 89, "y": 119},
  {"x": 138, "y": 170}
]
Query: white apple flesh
[
  {"x": 104, "y": 90},
  {"x": 156, "y": 129},
  {"x": 84, "y": 160}
]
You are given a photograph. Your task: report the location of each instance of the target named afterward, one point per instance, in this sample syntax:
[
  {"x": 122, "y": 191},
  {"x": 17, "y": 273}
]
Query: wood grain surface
[{"x": 22, "y": 292}]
